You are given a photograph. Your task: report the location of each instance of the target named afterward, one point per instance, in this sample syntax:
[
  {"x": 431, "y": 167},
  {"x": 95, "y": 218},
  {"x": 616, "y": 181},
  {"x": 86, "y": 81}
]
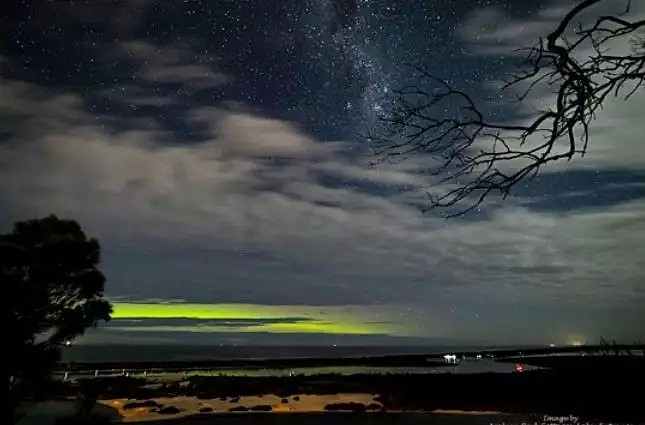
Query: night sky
[{"x": 216, "y": 149}]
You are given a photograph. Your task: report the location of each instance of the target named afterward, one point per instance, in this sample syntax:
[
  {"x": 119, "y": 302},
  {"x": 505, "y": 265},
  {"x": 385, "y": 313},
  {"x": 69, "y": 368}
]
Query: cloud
[
  {"x": 199, "y": 323},
  {"x": 120, "y": 18},
  {"x": 614, "y": 131},
  {"x": 245, "y": 217},
  {"x": 197, "y": 76},
  {"x": 490, "y": 31},
  {"x": 173, "y": 65},
  {"x": 250, "y": 135},
  {"x": 494, "y": 31}
]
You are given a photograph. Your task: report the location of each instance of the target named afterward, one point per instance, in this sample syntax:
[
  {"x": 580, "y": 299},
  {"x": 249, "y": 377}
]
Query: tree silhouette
[
  {"x": 52, "y": 292},
  {"x": 581, "y": 64}
]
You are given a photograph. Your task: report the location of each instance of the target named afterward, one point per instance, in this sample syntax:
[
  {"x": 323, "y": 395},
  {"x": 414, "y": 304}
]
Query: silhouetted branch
[{"x": 475, "y": 153}]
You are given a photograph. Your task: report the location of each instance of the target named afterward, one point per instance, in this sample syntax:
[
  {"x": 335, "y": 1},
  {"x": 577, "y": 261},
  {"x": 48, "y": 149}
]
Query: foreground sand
[
  {"x": 191, "y": 405},
  {"x": 46, "y": 413}
]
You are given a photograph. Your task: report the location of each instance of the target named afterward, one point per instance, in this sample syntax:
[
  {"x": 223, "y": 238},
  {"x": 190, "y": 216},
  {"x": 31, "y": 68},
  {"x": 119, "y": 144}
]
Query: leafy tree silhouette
[{"x": 52, "y": 292}]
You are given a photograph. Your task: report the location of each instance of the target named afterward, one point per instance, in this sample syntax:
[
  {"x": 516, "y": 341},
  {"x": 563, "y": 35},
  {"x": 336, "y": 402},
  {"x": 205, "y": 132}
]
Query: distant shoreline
[
  {"x": 605, "y": 386},
  {"x": 432, "y": 360},
  {"x": 188, "y": 365}
]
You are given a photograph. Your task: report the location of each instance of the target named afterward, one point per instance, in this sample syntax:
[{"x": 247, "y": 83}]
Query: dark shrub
[
  {"x": 261, "y": 408},
  {"x": 345, "y": 407},
  {"x": 168, "y": 410},
  {"x": 135, "y": 404}
]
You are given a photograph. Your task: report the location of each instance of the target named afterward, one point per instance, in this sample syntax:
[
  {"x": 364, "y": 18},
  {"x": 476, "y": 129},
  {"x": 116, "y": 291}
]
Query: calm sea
[{"x": 130, "y": 353}]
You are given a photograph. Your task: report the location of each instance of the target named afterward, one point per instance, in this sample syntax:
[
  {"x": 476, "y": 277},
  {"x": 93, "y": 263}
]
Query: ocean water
[
  {"x": 134, "y": 353},
  {"x": 131, "y": 353}
]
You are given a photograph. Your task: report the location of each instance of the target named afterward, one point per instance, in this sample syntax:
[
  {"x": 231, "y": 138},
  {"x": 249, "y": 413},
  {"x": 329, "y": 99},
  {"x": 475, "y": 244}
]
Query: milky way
[
  {"x": 354, "y": 36},
  {"x": 328, "y": 64}
]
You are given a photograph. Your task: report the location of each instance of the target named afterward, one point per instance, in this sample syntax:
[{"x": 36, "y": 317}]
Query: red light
[{"x": 519, "y": 367}]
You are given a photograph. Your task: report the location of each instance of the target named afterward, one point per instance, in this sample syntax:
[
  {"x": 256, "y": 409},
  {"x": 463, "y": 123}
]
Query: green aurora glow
[{"x": 342, "y": 320}]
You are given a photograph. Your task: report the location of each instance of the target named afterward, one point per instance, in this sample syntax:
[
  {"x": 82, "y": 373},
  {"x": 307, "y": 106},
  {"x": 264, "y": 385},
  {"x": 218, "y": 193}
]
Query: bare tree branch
[{"x": 475, "y": 154}]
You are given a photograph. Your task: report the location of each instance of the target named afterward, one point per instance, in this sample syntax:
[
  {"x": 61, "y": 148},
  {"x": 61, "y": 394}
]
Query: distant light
[
  {"x": 68, "y": 343},
  {"x": 450, "y": 358},
  {"x": 519, "y": 367},
  {"x": 551, "y": 345},
  {"x": 479, "y": 356}
]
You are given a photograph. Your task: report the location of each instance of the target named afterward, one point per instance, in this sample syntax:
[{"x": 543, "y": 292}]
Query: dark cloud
[
  {"x": 583, "y": 189},
  {"x": 188, "y": 322},
  {"x": 236, "y": 341}
]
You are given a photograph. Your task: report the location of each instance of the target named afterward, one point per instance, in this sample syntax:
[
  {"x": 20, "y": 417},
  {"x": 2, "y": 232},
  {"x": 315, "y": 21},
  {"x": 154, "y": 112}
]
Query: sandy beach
[
  {"x": 187, "y": 406},
  {"x": 309, "y": 410},
  {"x": 303, "y": 403}
]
